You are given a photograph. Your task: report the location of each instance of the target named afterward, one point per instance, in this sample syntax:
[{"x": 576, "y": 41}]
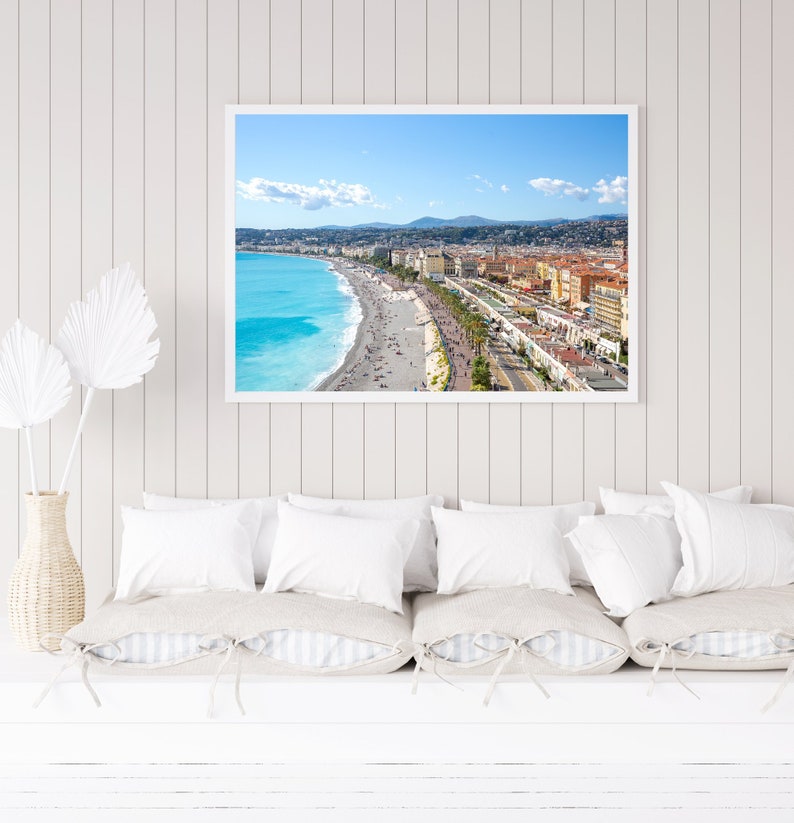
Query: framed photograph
[{"x": 431, "y": 253}]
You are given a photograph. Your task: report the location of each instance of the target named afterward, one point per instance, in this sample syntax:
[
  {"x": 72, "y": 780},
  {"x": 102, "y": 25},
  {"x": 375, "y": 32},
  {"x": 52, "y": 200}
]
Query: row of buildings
[{"x": 596, "y": 287}]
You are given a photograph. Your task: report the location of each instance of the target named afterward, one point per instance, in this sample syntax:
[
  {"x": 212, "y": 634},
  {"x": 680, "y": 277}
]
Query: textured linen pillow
[
  {"x": 420, "y": 569},
  {"x": 338, "y": 556},
  {"x": 615, "y": 502},
  {"x": 566, "y": 517},
  {"x": 484, "y": 550},
  {"x": 174, "y": 552},
  {"x": 632, "y": 560},
  {"x": 268, "y": 514},
  {"x": 731, "y": 545}
]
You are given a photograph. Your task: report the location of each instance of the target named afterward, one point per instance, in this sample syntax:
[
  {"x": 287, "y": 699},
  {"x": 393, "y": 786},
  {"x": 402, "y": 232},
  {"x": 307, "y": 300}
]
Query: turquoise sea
[{"x": 296, "y": 320}]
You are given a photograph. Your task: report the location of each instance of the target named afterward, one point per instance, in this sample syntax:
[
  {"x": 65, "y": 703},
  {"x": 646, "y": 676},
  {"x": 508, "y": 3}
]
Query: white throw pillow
[
  {"x": 268, "y": 514},
  {"x": 731, "y": 545},
  {"x": 173, "y": 552},
  {"x": 566, "y": 517},
  {"x": 488, "y": 550},
  {"x": 338, "y": 556},
  {"x": 420, "y": 569},
  {"x": 632, "y": 560},
  {"x": 615, "y": 502}
]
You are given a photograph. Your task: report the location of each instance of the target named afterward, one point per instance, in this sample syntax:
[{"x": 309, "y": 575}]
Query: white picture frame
[{"x": 618, "y": 178}]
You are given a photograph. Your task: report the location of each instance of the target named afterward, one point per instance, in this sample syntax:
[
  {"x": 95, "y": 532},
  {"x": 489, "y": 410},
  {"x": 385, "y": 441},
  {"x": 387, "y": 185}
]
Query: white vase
[{"x": 46, "y": 594}]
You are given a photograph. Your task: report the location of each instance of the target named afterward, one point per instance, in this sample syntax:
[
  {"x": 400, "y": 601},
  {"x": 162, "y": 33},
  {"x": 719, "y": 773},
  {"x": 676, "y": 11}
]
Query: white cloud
[
  {"x": 504, "y": 188},
  {"x": 615, "y": 191},
  {"x": 482, "y": 180},
  {"x": 433, "y": 203},
  {"x": 326, "y": 193},
  {"x": 554, "y": 187}
]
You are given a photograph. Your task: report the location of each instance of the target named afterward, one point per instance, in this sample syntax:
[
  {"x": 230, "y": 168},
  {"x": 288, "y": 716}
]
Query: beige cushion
[
  {"x": 243, "y": 615},
  {"x": 738, "y": 615},
  {"x": 497, "y": 617}
]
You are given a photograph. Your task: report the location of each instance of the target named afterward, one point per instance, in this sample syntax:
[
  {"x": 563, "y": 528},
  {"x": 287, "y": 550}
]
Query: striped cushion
[
  {"x": 733, "y": 630},
  {"x": 566, "y": 649},
  {"x": 316, "y": 650},
  {"x": 741, "y": 645},
  {"x": 481, "y": 631}
]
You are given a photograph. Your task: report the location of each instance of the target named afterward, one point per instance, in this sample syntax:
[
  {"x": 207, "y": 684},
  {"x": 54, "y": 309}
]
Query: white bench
[{"x": 366, "y": 749}]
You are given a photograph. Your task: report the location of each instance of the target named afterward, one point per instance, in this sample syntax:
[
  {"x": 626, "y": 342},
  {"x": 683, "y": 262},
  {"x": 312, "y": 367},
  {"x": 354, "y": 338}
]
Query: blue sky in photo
[{"x": 308, "y": 170}]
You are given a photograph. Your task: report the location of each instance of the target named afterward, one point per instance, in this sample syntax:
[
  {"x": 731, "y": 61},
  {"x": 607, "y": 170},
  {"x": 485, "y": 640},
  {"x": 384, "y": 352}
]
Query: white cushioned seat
[
  {"x": 729, "y": 630},
  {"x": 280, "y": 633},
  {"x": 549, "y": 633}
]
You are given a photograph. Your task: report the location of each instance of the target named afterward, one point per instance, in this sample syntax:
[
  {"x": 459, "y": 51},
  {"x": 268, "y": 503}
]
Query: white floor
[{"x": 365, "y": 749}]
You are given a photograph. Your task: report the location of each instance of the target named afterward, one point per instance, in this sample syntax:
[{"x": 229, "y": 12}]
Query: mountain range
[{"x": 473, "y": 220}]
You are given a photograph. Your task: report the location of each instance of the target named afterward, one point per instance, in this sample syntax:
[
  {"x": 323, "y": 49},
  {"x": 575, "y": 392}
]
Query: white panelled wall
[{"x": 111, "y": 149}]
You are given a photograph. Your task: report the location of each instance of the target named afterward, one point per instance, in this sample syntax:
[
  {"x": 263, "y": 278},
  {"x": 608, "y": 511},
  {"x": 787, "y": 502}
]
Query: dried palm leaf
[
  {"x": 34, "y": 384},
  {"x": 105, "y": 340}
]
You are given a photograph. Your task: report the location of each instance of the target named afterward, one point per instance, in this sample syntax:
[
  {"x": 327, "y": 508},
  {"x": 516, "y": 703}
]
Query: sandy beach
[{"x": 389, "y": 350}]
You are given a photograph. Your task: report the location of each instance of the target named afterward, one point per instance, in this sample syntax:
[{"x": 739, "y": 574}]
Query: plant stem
[
  {"x": 68, "y": 470},
  {"x": 33, "y": 481}
]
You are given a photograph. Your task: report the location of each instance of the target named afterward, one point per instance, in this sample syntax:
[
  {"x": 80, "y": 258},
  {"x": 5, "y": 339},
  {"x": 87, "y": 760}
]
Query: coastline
[
  {"x": 357, "y": 348},
  {"x": 388, "y": 351}
]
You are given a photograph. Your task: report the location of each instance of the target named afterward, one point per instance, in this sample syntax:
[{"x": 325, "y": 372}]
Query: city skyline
[{"x": 396, "y": 168}]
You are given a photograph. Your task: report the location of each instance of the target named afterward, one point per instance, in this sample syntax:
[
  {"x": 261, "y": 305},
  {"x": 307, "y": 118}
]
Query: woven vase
[{"x": 47, "y": 593}]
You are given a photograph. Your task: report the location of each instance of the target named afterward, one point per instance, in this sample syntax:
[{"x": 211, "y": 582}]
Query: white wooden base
[{"x": 360, "y": 748}]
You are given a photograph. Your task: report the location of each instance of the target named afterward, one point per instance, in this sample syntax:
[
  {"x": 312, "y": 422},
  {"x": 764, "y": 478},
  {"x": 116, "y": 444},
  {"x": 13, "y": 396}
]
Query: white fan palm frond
[
  {"x": 35, "y": 383},
  {"x": 34, "y": 379},
  {"x": 105, "y": 338}
]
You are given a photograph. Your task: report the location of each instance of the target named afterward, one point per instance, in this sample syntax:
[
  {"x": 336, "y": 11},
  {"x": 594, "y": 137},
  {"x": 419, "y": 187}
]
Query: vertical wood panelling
[
  {"x": 111, "y": 148},
  {"x": 222, "y": 68},
  {"x": 191, "y": 248},
  {"x": 254, "y": 87},
  {"x": 160, "y": 239},
  {"x": 505, "y": 454},
  {"x": 9, "y": 266},
  {"x": 755, "y": 181},
  {"x": 348, "y": 450},
  {"x": 568, "y": 87},
  {"x": 317, "y": 449},
  {"x": 724, "y": 246},
  {"x": 536, "y": 51},
  {"x": 380, "y": 41},
  {"x": 65, "y": 250},
  {"x": 473, "y": 52},
  {"x": 782, "y": 282},
  {"x": 285, "y": 447},
  {"x": 662, "y": 241},
  {"x": 442, "y": 452},
  {"x": 97, "y": 244},
  {"x": 505, "y": 52},
  {"x": 504, "y": 420},
  {"x": 693, "y": 244},
  {"x": 410, "y": 459},
  {"x": 348, "y": 52},
  {"x": 409, "y": 48},
  {"x": 537, "y": 423},
  {"x": 317, "y": 48},
  {"x": 285, "y": 51},
  {"x": 34, "y": 195},
  {"x": 128, "y": 240},
  {"x": 630, "y": 86},
  {"x": 473, "y": 451},
  {"x": 599, "y": 87},
  {"x": 379, "y": 447},
  {"x": 317, "y": 456},
  {"x": 442, "y": 51}
]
